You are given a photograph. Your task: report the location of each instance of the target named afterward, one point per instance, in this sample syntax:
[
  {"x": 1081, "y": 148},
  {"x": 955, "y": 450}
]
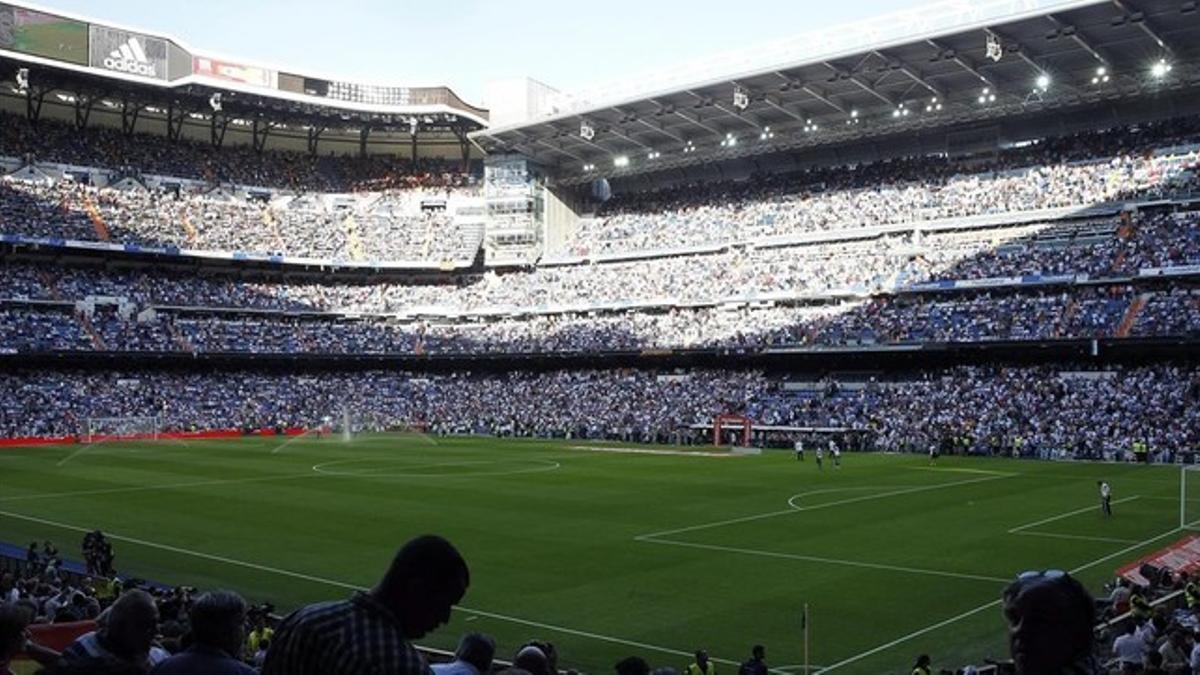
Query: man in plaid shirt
[{"x": 372, "y": 631}]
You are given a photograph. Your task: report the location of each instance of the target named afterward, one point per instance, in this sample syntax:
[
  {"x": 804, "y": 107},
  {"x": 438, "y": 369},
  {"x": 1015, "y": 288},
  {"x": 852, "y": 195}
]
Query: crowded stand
[
  {"x": 1100, "y": 250},
  {"x": 1055, "y": 411},
  {"x": 1087, "y": 312},
  {"x": 1077, "y": 171},
  {"x": 398, "y": 228},
  {"x": 59, "y": 142},
  {"x": 393, "y": 227}
]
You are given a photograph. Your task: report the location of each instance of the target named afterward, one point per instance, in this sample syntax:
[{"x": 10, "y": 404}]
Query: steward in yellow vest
[{"x": 702, "y": 666}]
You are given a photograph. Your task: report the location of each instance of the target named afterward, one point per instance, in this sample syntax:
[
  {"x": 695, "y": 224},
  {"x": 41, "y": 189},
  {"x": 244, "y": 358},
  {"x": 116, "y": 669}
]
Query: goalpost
[
  {"x": 1189, "y": 496},
  {"x": 102, "y": 428},
  {"x": 723, "y": 422}
]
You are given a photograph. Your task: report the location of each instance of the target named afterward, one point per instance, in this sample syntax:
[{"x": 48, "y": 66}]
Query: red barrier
[
  {"x": 56, "y": 636},
  {"x": 48, "y": 440},
  {"x": 175, "y": 435}
]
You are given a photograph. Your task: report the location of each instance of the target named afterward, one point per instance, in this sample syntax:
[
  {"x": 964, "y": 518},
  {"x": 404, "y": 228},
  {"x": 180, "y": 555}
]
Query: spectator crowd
[{"x": 1050, "y": 412}]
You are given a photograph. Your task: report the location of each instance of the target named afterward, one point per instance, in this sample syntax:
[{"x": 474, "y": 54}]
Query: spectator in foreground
[
  {"x": 922, "y": 666},
  {"x": 14, "y": 638},
  {"x": 632, "y": 665},
  {"x": 757, "y": 664},
  {"x": 218, "y": 629},
  {"x": 127, "y": 636},
  {"x": 702, "y": 666},
  {"x": 1130, "y": 649},
  {"x": 1050, "y": 619},
  {"x": 533, "y": 660},
  {"x": 1174, "y": 651},
  {"x": 372, "y": 632},
  {"x": 473, "y": 656}
]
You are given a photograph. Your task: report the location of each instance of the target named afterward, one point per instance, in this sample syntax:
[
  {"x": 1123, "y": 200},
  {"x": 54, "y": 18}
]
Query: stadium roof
[
  {"x": 61, "y": 48},
  {"x": 955, "y": 62}
]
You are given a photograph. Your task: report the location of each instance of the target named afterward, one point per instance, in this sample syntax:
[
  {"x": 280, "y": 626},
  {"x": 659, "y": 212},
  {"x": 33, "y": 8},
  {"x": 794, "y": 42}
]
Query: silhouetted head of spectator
[
  {"x": 478, "y": 650},
  {"x": 427, "y": 578},
  {"x": 14, "y": 622},
  {"x": 702, "y": 658},
  {"x": 548, "y": 649},
  {"x": 219, "y": 620},
  {"x": 1050, "y": 620},
  {"x": 633, "y": 665},
  {"x": 533, "y": 660},
  {"x": 131, "y": 625},
  {"x": 758, "y": 653}
]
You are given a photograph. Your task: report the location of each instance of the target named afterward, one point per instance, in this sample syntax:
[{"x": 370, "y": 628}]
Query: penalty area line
[
  {"x": 831, "y": 561},
  {"x": 1062, "y": 516}
]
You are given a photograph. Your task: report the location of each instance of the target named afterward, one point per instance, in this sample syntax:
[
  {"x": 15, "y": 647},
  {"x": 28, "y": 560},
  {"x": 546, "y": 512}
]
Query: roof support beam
[
  {"x": 1022, "y": 51},
  {"x": 596, "y": 145},
  {"x": 725, "y": 110},
  {"x": 815, "y": 93},
  {"x": 698, "y": 123},
  {"x": 963, "y": 62},
  {"x": 559, "y": 150},
  {"x": 770, "y": 101},
  {"x": 736, "y": 116},
  {"x": 1148, "y": 29},
  {"x": 862, "y": 85},
  {"x": 912, "y": 74},
  {"x": 1073, "y": 33},
  {"x": 659, "y": 129},
  {"x": 631, "y": 139}
]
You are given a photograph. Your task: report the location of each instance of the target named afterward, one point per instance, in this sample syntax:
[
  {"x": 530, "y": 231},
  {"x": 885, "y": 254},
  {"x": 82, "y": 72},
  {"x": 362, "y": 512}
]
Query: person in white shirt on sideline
[{"x": 1105, "y": 497}]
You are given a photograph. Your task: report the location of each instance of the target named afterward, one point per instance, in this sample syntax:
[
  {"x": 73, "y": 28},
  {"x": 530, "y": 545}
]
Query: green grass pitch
[{"x": 608, "y": 554}]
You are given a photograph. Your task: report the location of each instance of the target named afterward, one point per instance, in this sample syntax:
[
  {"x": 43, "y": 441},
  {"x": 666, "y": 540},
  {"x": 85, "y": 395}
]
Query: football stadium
[{"x": 877, "y": 351}]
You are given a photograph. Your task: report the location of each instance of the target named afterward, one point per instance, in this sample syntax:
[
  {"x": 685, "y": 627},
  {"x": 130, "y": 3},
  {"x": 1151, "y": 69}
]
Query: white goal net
[
  {"x": 107, "y": 428},
  {"x": 1189, "y": 497}
]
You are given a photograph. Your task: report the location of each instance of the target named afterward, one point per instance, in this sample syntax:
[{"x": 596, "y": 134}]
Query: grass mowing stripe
[
  {"x": 347, "y": 586},
  {"x": 163, "y": 486}
]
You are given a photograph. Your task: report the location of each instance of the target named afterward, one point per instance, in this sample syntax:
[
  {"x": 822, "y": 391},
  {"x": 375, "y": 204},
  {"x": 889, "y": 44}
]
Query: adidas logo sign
[{"x": 130, "y": 58}]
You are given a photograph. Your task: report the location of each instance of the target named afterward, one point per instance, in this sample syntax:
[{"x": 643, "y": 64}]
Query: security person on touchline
[{"x": 702, "y": 666}]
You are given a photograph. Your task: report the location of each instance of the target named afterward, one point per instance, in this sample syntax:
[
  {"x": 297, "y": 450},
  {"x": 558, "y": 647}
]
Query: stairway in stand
[
  {"x": 97, "y": 339},
  {"x": 1131, "y": 314}
]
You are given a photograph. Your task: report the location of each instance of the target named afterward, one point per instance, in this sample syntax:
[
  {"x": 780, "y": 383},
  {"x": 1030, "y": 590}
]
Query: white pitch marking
[
  {"x": 546, "y": 465},
  {"x": 1068, "y": 514},
  {"x": 957, "y": 470},
  {"x": 649, "y": 451},
  {"x": 833, "y": 561},
  {"x": 796, "y": 509},
  {"x": 893, "y": 493},
  {"x": 993, "y": 603},
  {"x": 1079, "y": 537},
  {"x": 352, "y": 587}
]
